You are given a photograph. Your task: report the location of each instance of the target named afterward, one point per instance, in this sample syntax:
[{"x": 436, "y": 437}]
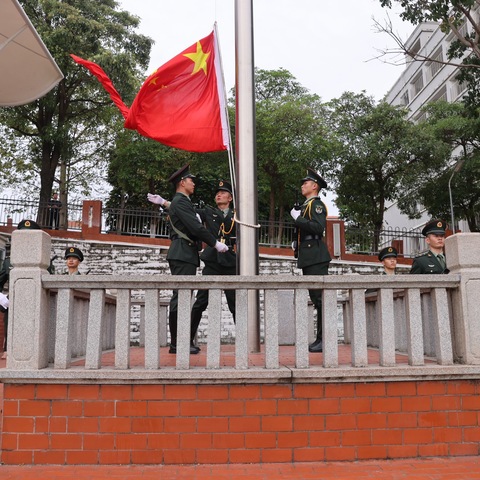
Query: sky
[{"x": 329, "y": 46}]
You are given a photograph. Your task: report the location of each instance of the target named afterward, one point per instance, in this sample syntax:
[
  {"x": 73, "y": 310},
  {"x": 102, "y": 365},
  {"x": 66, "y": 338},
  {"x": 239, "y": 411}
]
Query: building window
[
  {"x": 457, "y": 89},
  {"x": 415, "y": 48},
  {"x": 405, "y": 99},
  {"x": 440, "y": 95},
  {"x": 421, "y": 117},
  {"x": 435, "y": 65},
  {"x": 417, "y": 84}
]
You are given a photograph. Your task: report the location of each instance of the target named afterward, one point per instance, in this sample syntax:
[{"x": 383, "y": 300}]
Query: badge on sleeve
[{"x": 318, "y": 209}]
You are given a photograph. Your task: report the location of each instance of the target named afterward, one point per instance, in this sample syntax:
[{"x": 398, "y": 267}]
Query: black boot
[{"x": 316, "y": 347}]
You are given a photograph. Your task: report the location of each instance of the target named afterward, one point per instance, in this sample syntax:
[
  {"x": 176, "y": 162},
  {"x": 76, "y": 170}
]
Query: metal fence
[
  {"x": 410, "y": 242},
  {"x": 154, "y": 224}
]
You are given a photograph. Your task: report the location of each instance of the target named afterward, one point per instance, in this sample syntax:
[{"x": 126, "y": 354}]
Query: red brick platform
[
  {"x": 464, "y": 468},
  {"x": 189, "y": 424}
]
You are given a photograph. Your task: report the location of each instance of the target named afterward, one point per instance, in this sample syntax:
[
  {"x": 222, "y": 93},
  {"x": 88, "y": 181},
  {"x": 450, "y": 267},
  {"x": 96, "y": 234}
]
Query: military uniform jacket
[
  {"x": 183, "y": 218},
  {"x": 222, "y": 227},
  {"x": 427, "y": 263},
  {"x": 311, "y": 224}
]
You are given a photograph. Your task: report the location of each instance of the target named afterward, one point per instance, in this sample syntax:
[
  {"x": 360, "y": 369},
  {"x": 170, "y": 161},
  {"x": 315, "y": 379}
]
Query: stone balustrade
[{"x": 438, "y": 316}]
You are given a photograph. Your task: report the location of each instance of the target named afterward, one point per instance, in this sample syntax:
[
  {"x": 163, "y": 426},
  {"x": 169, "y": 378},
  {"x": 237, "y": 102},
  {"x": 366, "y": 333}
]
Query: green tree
[
  {"x": 291, "y": 136},
  {"x": 138, "y": 165},
  {"x": 453, "y": 126},
  {"x": 75, "y": 123},
  {"x": 377, "y": 154}
]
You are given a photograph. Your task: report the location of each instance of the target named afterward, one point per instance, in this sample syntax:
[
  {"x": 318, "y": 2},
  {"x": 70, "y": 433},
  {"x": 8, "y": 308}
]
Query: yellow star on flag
[{"x": 199, "y": 58}]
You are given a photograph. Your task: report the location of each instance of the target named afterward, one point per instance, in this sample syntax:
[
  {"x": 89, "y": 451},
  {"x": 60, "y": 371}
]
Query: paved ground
[{"x": 459, "y": 468}]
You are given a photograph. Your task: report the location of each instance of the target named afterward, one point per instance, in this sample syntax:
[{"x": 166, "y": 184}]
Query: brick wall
[{"x": 203, "y": 424}]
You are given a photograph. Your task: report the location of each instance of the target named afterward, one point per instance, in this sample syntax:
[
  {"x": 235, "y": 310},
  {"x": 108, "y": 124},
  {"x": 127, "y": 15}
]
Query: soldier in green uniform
[
  {"x": 220, "y": 222},
  {"x": 185, "y": 232},
  {"x": 388, "y": 256},
  {"x": 432, "y": 261},
  {"x": 73, "y": 257},
  {"x": 313, "y": 256}
]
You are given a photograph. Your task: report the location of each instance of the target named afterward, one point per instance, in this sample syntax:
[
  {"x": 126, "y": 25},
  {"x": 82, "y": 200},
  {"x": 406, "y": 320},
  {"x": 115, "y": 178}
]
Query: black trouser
[
  {"x": 316, "y": 295},
  {"x": 5, "y": 329},
  {"x": 201, "y": 301},
  {"x": 177, "y": 267}
]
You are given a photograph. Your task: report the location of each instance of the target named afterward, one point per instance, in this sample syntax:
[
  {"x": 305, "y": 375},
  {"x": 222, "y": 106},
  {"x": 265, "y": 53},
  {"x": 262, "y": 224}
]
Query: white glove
[
  {"x": 4, "y": 301},
  {"x": 155, "y": 199},
  {"x": 294, "y": 213},
  {"x": 221, "y": 247},
  {"x": 198, "y": 217}
]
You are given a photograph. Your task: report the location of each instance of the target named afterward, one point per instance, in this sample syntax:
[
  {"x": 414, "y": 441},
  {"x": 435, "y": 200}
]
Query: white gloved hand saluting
[
  {"x": 221, "y": 247},
  {"x": 157, "y": 199},
  {"x": 4, "y": 301},
  {"x": 294, "y": 213}
]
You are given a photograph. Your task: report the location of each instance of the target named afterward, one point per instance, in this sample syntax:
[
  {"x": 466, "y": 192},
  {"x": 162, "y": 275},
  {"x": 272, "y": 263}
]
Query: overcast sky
[{"x": 328, "y": 45}]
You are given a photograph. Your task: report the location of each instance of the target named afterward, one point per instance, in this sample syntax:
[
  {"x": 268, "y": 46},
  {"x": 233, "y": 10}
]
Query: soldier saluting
[
  {"x": 432, "y": 261},
  {"x": 313, "y": 256},
  {"x": 185, "y": 232},
  {"x": 220, "y": 222}
]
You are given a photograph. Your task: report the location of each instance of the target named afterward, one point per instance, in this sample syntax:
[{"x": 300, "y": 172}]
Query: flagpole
[{"x": 246, "y": 166}]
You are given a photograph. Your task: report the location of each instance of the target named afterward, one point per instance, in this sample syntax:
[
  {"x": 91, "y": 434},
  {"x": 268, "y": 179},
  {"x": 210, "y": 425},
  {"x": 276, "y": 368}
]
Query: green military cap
[
  {"x": 223, "y": 185},
  {"x": 181, "y": 174},
  {"x": 74, "y": 252},
  {"x": 387, "y": 252},
  {"x": 28, "y": 225},
  {"x": 315, "y": 177},
  {"x": 436, "y": 227}
]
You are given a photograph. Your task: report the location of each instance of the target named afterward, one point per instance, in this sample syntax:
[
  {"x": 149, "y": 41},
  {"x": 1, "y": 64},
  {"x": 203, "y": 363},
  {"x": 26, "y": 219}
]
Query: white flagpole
[{"x": 246, "y": 166}]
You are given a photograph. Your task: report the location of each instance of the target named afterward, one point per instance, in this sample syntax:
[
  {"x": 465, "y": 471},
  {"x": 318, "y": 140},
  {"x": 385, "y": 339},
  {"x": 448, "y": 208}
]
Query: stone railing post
[
  {"x": 29, "y": 302},
  {"x": 92, "y": 217},
  {"x": 463, "y": 257}
]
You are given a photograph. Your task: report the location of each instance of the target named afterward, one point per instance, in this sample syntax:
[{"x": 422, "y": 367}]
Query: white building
[{"x": 420, "y": 83}]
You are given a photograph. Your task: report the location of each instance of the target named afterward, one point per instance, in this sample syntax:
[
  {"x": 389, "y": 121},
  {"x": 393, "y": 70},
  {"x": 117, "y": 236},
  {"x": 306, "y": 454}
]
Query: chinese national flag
[{"x": 182, "y": 104}]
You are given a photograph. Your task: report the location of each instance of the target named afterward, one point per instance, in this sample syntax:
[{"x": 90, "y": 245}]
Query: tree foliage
[
  {"x": 453, "y": 126},
  {"x": 376, "y": 156},
  {"x": 74, "y": 124},
  {"x": 291, "y": 136},
  {"x": 138, "y": 165}
]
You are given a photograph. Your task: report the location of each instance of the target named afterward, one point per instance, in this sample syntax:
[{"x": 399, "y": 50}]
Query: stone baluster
[{"x": 29, "y": 303}]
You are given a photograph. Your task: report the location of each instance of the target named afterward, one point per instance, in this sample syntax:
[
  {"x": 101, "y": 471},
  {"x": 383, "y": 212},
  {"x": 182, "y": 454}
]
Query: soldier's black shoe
[
  {"x": 193, "y": 349},
  {"x": 316, "y": 347}
]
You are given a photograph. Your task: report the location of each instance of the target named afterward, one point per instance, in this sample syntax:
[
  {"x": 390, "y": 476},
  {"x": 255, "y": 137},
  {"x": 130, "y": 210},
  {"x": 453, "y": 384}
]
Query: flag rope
[{"x": 231, "y": 157}]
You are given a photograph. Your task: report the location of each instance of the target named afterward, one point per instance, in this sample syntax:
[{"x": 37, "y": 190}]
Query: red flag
[
  {"x": 105, "y": 81},
  {"x": 182, "y": 104}
]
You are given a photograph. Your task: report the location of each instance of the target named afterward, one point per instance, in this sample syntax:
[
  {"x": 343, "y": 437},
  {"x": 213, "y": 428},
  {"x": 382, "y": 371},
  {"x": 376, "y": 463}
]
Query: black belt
[
  {"x": 311, "y": 237},
  {"x": 177, "y": 237}
]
